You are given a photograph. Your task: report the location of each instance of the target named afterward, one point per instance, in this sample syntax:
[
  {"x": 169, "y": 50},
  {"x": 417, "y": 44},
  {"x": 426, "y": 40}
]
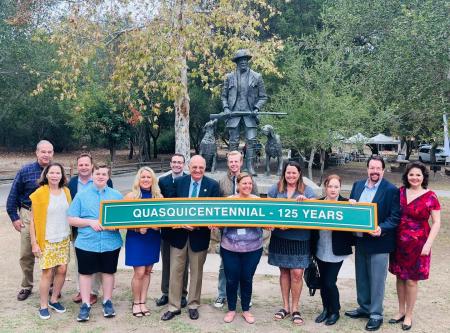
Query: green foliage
[
  {"x": 320, "y": 102},
  {"x": 26, "y": 119}
]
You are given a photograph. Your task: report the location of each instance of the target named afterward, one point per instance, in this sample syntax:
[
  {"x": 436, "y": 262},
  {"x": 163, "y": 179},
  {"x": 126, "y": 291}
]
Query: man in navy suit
[
  {"x": 372, "y": 251},
  {"x": 189, "y": 244},
  {"x": 166, "y": 185}
]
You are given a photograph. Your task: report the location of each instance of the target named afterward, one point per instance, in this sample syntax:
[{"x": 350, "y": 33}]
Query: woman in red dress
[{"x": 411, "y": 260}]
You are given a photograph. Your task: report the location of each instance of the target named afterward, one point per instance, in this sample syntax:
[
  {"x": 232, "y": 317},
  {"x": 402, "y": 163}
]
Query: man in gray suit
[
  {"x": 243, "y": 91},
  {"x": 372, "y": 250}
]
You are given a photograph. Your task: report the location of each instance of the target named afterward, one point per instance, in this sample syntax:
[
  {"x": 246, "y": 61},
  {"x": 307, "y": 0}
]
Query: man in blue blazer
[
  {"x": 166, "y": 185},
  {"x": 372, "y": 250},
  {"x": 189, "y": 244},
  {"x": 85, "y": 166}
]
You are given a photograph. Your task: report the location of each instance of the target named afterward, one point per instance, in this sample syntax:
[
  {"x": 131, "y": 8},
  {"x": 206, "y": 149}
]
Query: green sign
[{"x": 224, "y": 212}]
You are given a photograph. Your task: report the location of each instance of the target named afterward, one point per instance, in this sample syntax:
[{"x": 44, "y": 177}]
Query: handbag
[{"x": 312, "y": 277}]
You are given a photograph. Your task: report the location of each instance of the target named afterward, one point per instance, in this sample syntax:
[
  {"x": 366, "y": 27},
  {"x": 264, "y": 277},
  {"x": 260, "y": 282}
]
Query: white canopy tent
[
  {"x": 381, "y": 139},
  {"x": 357, "y": 138}
]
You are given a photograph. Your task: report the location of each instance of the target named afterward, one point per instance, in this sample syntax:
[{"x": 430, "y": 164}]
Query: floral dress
[{"x": 412, "y": 233}]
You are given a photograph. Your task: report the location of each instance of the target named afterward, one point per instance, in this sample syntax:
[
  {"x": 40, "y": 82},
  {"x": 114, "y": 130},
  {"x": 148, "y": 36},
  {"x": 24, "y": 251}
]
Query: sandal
[
  {"x": 280, "y": 314},
  {"x": 136, "y": 314},
  {"x": 249, "y": 318},
  {"x": 297, "y": 318},
  {"x": 146, "y": 312}
]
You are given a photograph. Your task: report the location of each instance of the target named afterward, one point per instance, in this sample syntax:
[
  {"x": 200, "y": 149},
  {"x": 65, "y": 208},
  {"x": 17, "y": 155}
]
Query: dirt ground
[{"x": 431, "y": 311}]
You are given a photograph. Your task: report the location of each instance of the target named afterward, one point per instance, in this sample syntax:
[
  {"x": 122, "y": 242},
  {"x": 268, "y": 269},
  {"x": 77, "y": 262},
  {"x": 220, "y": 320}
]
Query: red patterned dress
[{"x": 412, "y": 233}]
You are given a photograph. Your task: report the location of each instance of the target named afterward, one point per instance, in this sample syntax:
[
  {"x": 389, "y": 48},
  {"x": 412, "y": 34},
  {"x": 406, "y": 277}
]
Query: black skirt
[{"x": 288, "y": 253}]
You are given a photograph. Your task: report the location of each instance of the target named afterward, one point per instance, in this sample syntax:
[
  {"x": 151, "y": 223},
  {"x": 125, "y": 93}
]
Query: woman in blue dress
[{"x": 142, "y": 245}]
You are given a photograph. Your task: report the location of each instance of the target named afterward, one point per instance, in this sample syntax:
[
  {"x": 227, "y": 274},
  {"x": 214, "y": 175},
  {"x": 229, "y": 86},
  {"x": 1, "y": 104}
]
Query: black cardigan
[{"x": 341, "y": 241}]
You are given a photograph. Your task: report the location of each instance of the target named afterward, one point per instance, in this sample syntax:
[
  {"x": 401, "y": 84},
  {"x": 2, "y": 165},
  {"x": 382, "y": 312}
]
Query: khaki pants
[
  {"x": 26, "y": 259},
  {"x": 178, "y": 258}
]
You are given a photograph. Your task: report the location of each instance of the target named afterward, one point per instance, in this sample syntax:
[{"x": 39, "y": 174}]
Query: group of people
[{"x": 42, "y": 208}]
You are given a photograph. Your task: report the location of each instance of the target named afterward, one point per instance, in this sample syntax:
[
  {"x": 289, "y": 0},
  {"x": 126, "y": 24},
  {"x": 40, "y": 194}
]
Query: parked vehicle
[{"x": 424, "y": 154}]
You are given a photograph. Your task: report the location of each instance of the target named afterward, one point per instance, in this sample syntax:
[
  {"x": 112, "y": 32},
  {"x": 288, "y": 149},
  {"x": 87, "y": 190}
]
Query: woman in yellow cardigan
[{"x": 50, "y": 235}]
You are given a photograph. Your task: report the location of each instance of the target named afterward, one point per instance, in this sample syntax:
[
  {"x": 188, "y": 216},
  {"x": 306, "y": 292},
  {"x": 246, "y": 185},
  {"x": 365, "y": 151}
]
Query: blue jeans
[
  {"x": 239, "y": 269},
  {"x": 222, "y": 283}
]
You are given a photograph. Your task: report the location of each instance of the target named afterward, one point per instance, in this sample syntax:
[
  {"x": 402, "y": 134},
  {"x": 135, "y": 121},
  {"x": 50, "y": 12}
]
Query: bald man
[
  {"x": 18, "y": 207},
  {"x": 189, "y": 244}
]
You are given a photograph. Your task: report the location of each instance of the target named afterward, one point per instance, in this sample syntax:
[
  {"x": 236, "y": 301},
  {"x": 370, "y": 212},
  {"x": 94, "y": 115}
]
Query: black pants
[
  {"x": 329, "y": 291},
  {"x": 239, "y": 268}
]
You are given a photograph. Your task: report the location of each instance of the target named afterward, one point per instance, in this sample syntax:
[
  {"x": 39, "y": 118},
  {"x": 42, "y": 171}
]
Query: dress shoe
[
  {"x": 170, "y": 314},
  {"x": 356, "y": 314},
  {"x": 23, "y": 294},
  {"x": 332, "y": 319},
  {"x": 373, "y": 324},
  {"x": 77, "y": 298},
  {"x": 163, "y": 300},
  {"x": 396, "y": 321},
  {"x": 193, "y": 314},
  {"x": 406, "y": 327},
  {"x": 93, "y": 299},
  {"x": 183, "y": 302},
  {"x": 322, "y": 317}
]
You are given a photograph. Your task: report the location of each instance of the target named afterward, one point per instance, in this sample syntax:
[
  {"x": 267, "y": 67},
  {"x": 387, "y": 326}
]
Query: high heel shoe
[{"x": 396, "y": 321}]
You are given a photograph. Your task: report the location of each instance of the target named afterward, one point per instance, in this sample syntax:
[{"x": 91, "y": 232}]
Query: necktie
[
  {"x": 234, "y": 184},
  {"x": 194, "y": 190}
]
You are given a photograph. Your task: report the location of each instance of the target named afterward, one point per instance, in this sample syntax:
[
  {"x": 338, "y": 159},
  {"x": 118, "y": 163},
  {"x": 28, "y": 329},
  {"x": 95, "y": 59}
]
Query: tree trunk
[
  {"x": 131, "y": 152},
  {"x": 322, "y": 166},
  {"x": 112, "y": 150},
  {"x": 310, "y": 163},
  {"x": 181, "y": 104}
]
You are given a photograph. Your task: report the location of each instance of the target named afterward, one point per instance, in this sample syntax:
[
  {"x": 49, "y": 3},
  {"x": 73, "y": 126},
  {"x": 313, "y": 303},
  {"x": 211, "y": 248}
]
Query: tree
[
  {"x": 26, "y": 119},
  {"x": 150, "y": 48},
  {"x": 317, "y": 97},
  {"x": 401, "y": 57}
]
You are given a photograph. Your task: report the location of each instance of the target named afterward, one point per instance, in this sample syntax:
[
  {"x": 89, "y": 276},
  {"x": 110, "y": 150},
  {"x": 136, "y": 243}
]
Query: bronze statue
[
  {"x": 273, "y": 149},
  {"x": 243, "y": 96},
  {"x": 208, "y": 146}
]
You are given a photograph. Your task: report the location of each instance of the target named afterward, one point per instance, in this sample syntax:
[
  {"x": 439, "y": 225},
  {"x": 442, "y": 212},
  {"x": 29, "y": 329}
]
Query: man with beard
[{"x": 372, "y": 250}]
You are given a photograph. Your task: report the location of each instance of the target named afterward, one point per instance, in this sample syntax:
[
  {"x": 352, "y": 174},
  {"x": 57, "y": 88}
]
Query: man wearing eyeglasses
[{"x": 166, "y": 185}]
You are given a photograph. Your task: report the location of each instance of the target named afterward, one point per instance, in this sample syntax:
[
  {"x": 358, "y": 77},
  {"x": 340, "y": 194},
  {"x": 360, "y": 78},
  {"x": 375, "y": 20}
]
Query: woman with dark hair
[
  {"x": 330, "y": 248},
  {"x": 142, "y": 245},
  {"x": 411, "y": 260},
  {"x": 241, "y": 250},
  {"x": 289, "y": 249},
  {"x": 50, "y": 235}
]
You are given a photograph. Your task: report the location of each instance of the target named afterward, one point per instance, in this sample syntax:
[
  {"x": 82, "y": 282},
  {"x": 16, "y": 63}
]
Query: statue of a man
[{"x": 243, "y": 92}]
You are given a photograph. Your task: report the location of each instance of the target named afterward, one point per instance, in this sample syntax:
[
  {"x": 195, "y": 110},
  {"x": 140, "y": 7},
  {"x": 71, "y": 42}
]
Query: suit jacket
[
  {"x": 256, "y": 97},
  {"x": 166, "y": 186},
  {"x": 199, "y": 237},
  {"x": 341, "y": 241},
  {"x": 387, "y": 199}
]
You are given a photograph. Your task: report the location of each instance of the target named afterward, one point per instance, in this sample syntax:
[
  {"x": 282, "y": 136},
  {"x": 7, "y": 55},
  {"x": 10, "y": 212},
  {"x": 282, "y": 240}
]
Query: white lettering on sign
[{"x": 323, "y": 215}]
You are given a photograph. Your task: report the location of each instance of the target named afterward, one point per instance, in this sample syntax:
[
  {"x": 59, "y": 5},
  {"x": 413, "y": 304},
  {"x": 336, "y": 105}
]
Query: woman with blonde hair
[
  {"x": 142, "y": 245},
  {"x": 50, "y": 234}
]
